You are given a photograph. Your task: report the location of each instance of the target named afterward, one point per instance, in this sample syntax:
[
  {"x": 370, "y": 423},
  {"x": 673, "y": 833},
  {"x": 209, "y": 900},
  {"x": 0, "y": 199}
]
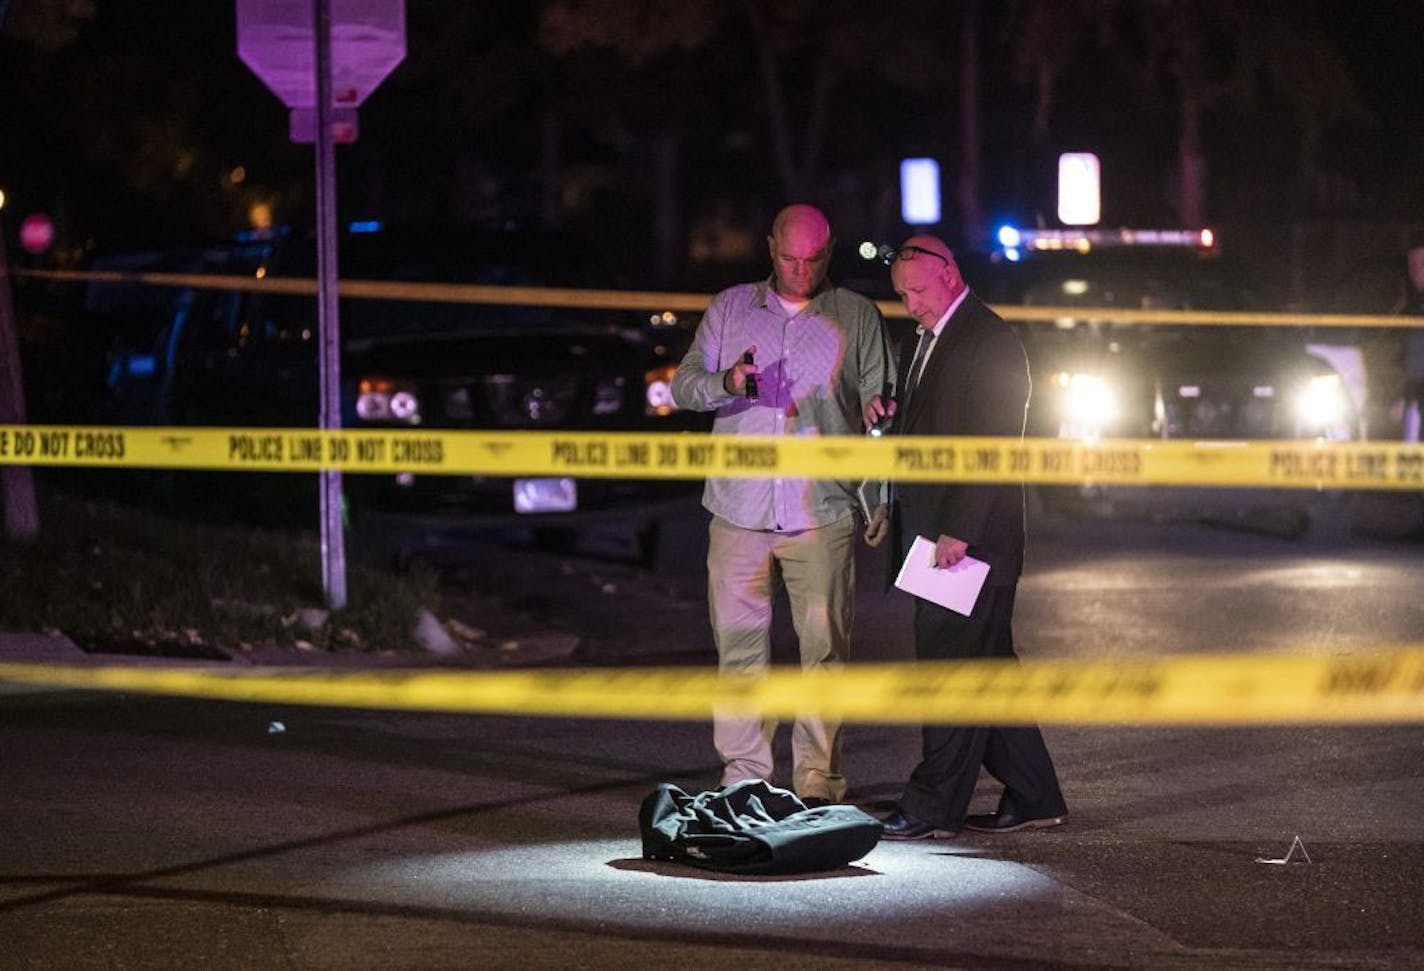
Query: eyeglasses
[
  {"x": 888, "y": 254},
  {"x": 909, "y": 253}
]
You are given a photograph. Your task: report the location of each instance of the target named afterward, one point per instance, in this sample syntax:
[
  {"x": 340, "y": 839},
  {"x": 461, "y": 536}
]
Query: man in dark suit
[{"x": 965, "y": 373}]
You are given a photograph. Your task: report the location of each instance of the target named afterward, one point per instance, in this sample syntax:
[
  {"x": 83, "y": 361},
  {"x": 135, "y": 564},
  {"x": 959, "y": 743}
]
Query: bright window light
[
  {"x": 1079, "y": 201},
  {"x": 919, "y": 191}
]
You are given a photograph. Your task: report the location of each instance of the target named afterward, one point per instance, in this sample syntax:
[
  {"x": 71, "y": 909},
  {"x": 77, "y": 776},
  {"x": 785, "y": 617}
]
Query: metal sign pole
[
  {"x": 333, "y": 540},
  {"x": 272, "y": 40},
  {"x": 17, "y": 483}
]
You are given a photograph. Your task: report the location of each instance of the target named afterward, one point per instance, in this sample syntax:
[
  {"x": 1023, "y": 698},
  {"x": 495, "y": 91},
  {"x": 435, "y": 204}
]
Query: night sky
[{"x": 136, "y": 124}]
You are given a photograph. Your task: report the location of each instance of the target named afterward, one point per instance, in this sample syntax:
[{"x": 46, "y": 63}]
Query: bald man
[
  {"x": 816, "y": 354},
  {"x": 965, "y": 373}
]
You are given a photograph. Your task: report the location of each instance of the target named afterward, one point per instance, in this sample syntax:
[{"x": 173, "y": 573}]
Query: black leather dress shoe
[
  {"x": 900, "y": 825},
  {"x": 1009, "y": 822}
]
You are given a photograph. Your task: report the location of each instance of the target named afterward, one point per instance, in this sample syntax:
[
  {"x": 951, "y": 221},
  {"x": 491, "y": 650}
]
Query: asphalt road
[{"x": 147, "y": 832}]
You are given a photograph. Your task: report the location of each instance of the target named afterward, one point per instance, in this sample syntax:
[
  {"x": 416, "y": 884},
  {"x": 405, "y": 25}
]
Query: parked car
[{"x": 234, "y": 358}]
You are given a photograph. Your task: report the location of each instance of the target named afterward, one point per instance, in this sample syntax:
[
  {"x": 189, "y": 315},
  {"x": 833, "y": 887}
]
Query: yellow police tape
[
  {"x": 1197, "y": 689},
  {"x": 690, "y": 302},
  {"x": 1117, "y": 462}
]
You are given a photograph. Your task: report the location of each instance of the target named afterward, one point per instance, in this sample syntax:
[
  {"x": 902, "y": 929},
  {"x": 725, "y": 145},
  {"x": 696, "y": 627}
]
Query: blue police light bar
[
  {"x": 919, "y": 191},
  {"x": 1083, "y": 240}
]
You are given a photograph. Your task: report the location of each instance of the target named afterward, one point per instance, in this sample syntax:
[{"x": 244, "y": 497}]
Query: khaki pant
[{"x": 744, "y": 568}]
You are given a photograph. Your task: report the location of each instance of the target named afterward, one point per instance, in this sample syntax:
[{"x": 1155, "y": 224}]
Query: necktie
[{"x": 913, "y": 378}]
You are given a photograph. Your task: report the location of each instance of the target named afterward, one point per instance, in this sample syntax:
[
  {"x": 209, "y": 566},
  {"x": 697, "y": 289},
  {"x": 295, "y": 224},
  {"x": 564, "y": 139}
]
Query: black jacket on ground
[{"x": 752, "y": 827}]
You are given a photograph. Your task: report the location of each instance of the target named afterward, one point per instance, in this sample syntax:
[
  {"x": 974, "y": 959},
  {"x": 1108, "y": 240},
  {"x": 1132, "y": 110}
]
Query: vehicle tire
[
  {"x": 647, "y": 540},
  {"x": 673, "y": 544},
  {"x": 1331, "y": 518},
  {"x": 555, "y": 539}
]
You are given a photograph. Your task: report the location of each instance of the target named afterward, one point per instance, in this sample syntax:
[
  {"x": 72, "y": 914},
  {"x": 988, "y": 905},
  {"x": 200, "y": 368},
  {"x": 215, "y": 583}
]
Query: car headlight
[
  {"x": 1088, "y": 404},
  {"x": 1321, "y": 407},
  {"x": 608, "y": 397},
  {"x": 380, "y": 399},
  {"x": 657, "y": 393}
]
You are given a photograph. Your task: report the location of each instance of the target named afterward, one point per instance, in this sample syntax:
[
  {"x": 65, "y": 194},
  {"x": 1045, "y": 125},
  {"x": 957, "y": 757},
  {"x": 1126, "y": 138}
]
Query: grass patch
[{"x": 106, "y": 574}]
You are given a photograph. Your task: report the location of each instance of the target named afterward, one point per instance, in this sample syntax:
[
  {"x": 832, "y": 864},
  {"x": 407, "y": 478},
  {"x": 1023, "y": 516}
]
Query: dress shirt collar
[
  {"x": 949, "y": 312},
  {"x": 765, "y": 295}
]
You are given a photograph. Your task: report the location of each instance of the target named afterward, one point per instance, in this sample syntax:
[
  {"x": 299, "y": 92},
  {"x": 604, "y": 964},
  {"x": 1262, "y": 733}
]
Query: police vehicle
[{"x": 1099, "y": 373}]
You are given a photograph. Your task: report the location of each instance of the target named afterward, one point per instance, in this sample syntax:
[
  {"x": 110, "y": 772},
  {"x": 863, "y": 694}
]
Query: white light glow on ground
[{"x": 608, "y": 880}]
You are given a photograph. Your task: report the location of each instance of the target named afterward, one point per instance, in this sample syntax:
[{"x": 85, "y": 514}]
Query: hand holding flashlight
[{"x": 750, "y": 376}]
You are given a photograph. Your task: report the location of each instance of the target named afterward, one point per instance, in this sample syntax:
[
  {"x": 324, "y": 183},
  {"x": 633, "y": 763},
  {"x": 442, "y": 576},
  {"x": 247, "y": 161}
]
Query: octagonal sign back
[{"x": 275, "y": 38}]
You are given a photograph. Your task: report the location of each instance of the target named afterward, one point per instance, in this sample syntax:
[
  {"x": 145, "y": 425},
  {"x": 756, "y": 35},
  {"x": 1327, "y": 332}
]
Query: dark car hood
[
  {"x": 1198, "y": 358},
  {"x": 1225, "y": 358},
  {"x": 500, "y": 351}
]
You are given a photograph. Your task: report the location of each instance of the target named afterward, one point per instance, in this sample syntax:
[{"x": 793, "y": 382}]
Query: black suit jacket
[{"x": 976, "y": 382}]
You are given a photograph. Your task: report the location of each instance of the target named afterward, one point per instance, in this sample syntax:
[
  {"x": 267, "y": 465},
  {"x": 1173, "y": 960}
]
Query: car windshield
[
  {"x": 1141, "y": 279},
  {"x": 460, "y": 258}
]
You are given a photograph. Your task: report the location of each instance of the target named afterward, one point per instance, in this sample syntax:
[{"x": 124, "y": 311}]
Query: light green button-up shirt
[{"x": 817, "y": 371}]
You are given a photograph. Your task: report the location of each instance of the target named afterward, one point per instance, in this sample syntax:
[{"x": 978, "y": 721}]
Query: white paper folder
[{"x": 955, "y": 588}]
